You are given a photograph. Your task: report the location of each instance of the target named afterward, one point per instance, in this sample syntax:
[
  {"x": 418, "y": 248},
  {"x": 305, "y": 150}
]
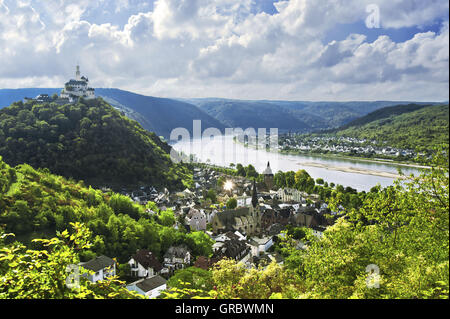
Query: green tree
[
  {"x": 43, "y": 274},
  {"x": 232, "y": 203}
]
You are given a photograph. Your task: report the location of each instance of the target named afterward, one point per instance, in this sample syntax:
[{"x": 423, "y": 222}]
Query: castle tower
[{"x": 78, "y": 74}]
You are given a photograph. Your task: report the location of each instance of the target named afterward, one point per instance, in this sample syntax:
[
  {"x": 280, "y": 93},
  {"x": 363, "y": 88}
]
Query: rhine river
[{"x": 359, "y": 174}]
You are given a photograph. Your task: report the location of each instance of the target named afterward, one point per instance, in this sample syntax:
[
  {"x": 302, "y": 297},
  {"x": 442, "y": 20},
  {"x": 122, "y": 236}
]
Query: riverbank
[
  {"x": 354, "y": 170},
  {"x": 343, "y": 157}
]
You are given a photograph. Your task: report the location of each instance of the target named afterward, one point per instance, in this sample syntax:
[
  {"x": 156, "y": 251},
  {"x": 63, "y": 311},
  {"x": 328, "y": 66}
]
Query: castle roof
[{"x": 75, "y": 82}]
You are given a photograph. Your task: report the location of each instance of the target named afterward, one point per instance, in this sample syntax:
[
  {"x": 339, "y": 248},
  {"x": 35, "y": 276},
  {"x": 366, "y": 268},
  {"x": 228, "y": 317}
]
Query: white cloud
[{"x": 219, "y": 48}]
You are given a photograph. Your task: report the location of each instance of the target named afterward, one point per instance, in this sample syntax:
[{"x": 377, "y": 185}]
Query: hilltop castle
[
  {"x": 73, "y": 90},
  {"x": 77, "y": 88}
]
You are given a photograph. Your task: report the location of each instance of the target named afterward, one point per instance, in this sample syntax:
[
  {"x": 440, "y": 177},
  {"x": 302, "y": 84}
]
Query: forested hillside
[
  {"x": 88, "y": 141},
  {"x": 407, "y": 127},
  {"x": 160, "y": 115},
  {"x": 36, "y": 204},
  {"x": 296, "y": 116}
]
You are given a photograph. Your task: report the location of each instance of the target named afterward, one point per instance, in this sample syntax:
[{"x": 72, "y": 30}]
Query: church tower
[
  {"x": 268, "y": 177},
  {"x": 254, "y": 209}
]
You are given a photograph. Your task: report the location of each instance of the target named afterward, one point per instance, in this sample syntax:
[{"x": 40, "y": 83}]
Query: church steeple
[{"x": 254, "y": 195}]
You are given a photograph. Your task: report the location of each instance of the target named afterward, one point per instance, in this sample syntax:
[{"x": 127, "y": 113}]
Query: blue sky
[{"x": 249, "y": 49}]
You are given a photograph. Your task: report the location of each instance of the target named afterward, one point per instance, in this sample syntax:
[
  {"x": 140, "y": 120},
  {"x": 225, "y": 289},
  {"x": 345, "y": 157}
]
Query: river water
[{"x": 359, "y": 174}]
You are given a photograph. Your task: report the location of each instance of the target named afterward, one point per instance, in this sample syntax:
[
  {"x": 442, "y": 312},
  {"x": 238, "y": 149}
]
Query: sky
[{"x": 315, "y": 50}]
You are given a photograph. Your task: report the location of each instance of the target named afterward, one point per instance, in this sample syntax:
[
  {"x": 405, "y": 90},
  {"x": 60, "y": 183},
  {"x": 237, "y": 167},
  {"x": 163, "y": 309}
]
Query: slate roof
[
  {"x": 74, "y": 82},
  {"x": 227, "y": 217},
  {"x": 233, "y": 248},
  {"x": 147, "y": 259},
  {"x": 99, "y": 263},
  {"x": 149, "y": 284},
  {"x": 177, "y": 252}
]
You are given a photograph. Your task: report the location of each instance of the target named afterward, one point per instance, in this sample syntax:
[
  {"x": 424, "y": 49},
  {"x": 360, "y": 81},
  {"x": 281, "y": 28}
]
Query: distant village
[
  {"x": 342, "y": 145},
  {"x": 246, "y": 233}
]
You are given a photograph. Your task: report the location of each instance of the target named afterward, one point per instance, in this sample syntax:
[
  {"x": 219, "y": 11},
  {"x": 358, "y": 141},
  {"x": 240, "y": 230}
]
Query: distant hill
[
  {"x": 157, "y": 115},
  {"x": 88, "y": 141},
  {"x": 287, "y": 115},
  {"x": 408, "y": 126},
  {"x": 161, "y": 115},
  {"x": 384, "y": 113}
]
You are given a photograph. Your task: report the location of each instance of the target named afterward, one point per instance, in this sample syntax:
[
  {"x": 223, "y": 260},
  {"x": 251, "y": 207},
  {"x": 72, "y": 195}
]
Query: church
[
  {"x": 246, "y": 220},
  {"x": 77, "y": 88}
]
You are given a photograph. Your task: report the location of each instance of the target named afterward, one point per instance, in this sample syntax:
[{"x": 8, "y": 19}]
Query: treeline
[{"x": 89, "y": 141}]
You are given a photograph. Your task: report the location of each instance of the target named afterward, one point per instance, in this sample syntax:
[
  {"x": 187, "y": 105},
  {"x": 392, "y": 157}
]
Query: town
[
  {"x": 349, "y": 146},
  {"x": 245, "y": 219}
]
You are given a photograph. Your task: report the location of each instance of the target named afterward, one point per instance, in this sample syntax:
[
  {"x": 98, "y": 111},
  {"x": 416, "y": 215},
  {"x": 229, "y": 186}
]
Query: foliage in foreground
[{"x": 43, "y": 273}]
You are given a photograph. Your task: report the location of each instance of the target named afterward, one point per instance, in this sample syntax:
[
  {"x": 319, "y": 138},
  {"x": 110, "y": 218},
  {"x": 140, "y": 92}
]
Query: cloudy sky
[{"x": 248, "y": 49}]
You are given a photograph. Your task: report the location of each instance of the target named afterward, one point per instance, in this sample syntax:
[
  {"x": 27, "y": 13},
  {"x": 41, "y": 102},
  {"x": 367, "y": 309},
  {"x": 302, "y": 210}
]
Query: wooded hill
[
  {"x": 409, "y": 126},
  {"x": 88, "y": 141}
]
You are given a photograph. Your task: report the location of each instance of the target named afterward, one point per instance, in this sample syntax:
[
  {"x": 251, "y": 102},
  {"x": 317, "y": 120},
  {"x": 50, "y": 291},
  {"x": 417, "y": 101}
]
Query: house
[
  {"x": 234, "y": 249},
  {"x": 318, "y": 231},
  {"x": 196, "y": 220},
  {"x": 144, "y": 264},
  {"x": 176, "y": 258},
  {"x": 206, "y": 263},
  {"x": 100, "y": 268},
  {"x": 260, "y": 245},
  {"x": 149, "y": 287},
  {"x": 290, "y": 195}
]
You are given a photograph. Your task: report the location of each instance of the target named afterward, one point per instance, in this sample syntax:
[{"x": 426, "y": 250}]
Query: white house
[
  {"x": 176, "y": 258},
  {"x": 144, "y": 264},
  {"x": 149, "y": 287},
  {"x": 260, "y": 245},
  {"x": 289, "y": 195},
  {"x": 196, "y": 220},
  {"x": 99, "y": 268},
  {"x": 244, "y": 201}
]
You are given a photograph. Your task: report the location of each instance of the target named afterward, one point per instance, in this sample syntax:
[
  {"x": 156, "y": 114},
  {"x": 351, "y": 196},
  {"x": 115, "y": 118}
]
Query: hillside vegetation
[
  {"x": 36, "y": 204},
  {"x": 88, "y": 141},
  {"x": 407, "y": 127}
]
